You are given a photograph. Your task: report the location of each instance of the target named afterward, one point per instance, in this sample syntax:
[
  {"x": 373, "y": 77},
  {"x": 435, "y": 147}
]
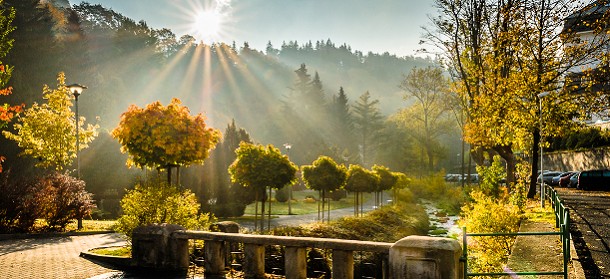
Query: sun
[{"x": 208, "y": 24}]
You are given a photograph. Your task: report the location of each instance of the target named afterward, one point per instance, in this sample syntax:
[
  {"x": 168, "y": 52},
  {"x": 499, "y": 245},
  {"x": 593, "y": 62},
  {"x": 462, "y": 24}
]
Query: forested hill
[{"x": 125, "y": 62}]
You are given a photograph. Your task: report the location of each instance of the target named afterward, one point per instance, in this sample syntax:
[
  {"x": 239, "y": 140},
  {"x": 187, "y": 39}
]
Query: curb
[
  {"x": 48, "y": 235},
  {"x": 114, "y": 261},
  {"x": 577, "y": 270}
]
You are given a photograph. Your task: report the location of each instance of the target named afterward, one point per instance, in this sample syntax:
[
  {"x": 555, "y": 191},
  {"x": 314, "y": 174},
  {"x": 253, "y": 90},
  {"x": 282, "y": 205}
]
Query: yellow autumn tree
[
  {"x": 163, "y": 137},
  {"x": 47, "y": 131}
]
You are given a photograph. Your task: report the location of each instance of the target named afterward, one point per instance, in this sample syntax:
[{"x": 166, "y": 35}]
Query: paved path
[
  {"x": 53, "y": 257},
  {"x": 590, "y": 219}
]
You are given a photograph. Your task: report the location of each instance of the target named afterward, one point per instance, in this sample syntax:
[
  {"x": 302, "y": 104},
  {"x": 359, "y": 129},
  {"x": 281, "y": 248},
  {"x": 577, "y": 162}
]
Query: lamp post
[
  {"x": 540, "y": 96},
  {"x": 288, "y": 146},
  {"x": 76, "y": 90}
]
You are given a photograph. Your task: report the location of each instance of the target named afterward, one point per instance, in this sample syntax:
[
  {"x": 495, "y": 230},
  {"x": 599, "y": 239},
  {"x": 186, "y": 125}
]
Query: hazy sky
[{"x": 366, "y": 25}]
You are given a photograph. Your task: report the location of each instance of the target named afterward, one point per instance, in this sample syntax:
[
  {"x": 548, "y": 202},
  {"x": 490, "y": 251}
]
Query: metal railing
[{"x": 562, "y": 222}]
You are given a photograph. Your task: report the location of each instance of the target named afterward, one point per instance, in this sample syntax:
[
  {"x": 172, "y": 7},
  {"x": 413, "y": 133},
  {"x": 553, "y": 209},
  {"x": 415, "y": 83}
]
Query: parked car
[
  {"x": 555, "y": 180},
  {"x": 547, "y": 176},
  {"x": 594, "y": 179},
  {"x": 564, "y": 181},
  {"x": 574, "y": 180}
]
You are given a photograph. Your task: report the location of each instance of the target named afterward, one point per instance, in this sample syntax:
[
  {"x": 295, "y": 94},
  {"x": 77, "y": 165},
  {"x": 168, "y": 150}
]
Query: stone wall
[{"x": 598, "y": 158}]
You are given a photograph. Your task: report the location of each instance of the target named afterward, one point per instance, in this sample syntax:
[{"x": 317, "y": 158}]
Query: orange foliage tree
[
  {"x": 163, "y": 137},
  {"x": 7, "y": 112}
]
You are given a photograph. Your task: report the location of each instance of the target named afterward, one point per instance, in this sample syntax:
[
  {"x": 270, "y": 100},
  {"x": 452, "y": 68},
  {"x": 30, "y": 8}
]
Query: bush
[
  {"x": 156, "y": 202},
  {"x": 232, "y": 209},
  {"x": 486, "y": 214},
  {"x": 282, "y": 195},
  {"x": 18, "y": 205},
  {"x": 63, "y": 198},
  {"x": 387, "y": 224}
]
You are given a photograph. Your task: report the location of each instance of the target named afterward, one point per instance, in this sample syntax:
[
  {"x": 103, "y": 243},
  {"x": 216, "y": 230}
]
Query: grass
[
  {"x": 92, "y": 225},
  {"x": 536, "y": 213},
  {"x": 302, "y": 205},
  {"x": 119, "y": 251}
]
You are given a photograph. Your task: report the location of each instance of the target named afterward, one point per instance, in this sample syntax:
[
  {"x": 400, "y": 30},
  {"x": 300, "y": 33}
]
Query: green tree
[
  {"x": 259, "y": 167},
  {"x": 47, "y": 132},
  {"x": 402, "y": 181},
  {"x": 231, "y": 197},
  {"x": 154, "y": 201},
  {"x": 324, "y": 176},
  {"x": 165, "y": 136},
  {"x": 368, "y": 122},
  {"x": 428, "y": 118},
  {"x": 387, "y": 180},
  {"x": 360, "y": 180},
  {"x": 341, "y": 123}
]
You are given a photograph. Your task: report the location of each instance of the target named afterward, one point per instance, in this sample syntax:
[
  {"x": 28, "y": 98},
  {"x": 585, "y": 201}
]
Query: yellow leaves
[
  {"x": 158, "y": 136},
  {"x": 48, "y": 131}
]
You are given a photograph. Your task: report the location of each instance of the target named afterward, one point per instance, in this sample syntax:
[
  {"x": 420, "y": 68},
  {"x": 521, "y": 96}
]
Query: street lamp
[
  {"x": 288, "y": 146},
  {"x": 540, "y": 96},
  {"x": 76, "y": 90}
]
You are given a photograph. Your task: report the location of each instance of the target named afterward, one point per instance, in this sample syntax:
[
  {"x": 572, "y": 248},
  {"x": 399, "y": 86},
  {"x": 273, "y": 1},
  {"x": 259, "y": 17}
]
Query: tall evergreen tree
[
  {"x": 342, "y": 124},
  {"x": 368, "y": 122}
]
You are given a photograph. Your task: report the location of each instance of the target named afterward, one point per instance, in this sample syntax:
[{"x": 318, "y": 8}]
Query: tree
[
  {"x": 387, "y": 180},
  {"x": 164, "y": 136},
  {"x": 7, "y": 112},
  {"x": 341, "y": 122},
  {"x": 231, "y": 198},
  {"x": 503, "y": 56},
  {"x": 428, "y": 118},
  {"x": 367, "y": 124},
  {"x": 360, "y": 180},
  {"x": 324, "y": 175},
  {"x": 47, "y": 132},
  {"x": 259, "y": 167}
]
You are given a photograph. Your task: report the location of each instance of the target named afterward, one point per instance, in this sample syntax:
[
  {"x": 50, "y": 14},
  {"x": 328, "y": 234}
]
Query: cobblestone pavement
[
  {"x": 590, "y": 227},
  {"x": 53, "y": 257}
]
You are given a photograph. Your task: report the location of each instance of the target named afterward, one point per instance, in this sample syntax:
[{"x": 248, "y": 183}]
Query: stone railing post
[
  {"x": 254, "y": 262},
  {"x": 425, "y": 257},
  {"x": 214, "y": 255},
  {"x": 296, "y": 262},
  {"x": 154, "y": 247},
  {"x": 343, "y": 264}
]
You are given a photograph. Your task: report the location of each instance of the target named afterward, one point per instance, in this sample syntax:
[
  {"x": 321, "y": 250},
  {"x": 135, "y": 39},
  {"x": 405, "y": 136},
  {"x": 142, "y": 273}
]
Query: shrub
[
  {"x": 282, "y": 195},
  {"x": 387, "y": 224},
  {"x": 156, "y": 202},
  {"x": 486, "y": 214},
  {"x": 491, "y": 177},
  {"x": 18, "y": 205},
  {"x": 63, "y": 198}
]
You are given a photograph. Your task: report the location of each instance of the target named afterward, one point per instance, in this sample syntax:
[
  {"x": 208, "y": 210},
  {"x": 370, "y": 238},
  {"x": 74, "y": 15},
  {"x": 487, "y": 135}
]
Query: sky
[{"x": 394, "y": 26}]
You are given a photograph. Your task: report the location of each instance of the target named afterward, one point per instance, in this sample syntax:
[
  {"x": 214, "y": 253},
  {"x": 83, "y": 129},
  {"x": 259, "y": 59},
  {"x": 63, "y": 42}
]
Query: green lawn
[
  {"x": 92, "y": 225},
  {"x": 301, "y": 205}
]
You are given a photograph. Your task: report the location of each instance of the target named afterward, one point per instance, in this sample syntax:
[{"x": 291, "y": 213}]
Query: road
[{"x": 590, "y": 227}]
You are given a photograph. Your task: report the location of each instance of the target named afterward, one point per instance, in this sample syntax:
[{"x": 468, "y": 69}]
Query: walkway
[{"x": 53, "y": 257}]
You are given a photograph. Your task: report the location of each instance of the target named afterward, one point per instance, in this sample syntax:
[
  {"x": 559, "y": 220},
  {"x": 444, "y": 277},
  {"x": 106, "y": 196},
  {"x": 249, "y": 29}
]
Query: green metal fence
[{"x": 562, "y": 222}]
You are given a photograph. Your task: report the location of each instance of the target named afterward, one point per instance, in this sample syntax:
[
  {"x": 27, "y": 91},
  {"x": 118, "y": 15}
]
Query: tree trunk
[
  {"x": 269, "y": 216},
  {"x": 256, "y": 211},
  {"x": 531, "y": 192},
  {"x": 507, "y": 154}
]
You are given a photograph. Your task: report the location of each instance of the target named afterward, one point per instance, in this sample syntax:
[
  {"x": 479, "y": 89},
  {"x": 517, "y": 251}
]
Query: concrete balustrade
[{"x": 421, "y": 257}]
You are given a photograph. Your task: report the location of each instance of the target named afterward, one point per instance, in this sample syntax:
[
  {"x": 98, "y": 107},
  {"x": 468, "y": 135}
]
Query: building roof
[{"x": 584, "y": 19}]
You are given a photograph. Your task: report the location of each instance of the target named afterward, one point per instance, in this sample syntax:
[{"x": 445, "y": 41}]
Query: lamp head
[{"x": 76, "y": 89}]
